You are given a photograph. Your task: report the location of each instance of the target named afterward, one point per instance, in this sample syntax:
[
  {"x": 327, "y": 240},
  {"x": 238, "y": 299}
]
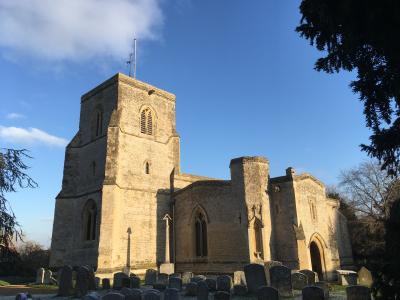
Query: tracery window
[
  {"x": 201, "y": 235},
  {"x": 89, "y": 221},
  {"x": 146, "y": 121}
]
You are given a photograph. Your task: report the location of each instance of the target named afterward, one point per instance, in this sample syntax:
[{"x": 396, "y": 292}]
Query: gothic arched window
[
  {"x": 99, "y": 123},
  {"x": 89, "y": 221},
  {"x": 201, "y": 235},
  {"x": 146, "y": 121}
]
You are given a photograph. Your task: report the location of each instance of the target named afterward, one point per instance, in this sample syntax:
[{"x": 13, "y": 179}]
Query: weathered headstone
[
  {"x": 126, "y": 282},
  {"x": 150, "y": 277},
  {"x": 82, "y": 282},
  {"x": 311, "y": 276},
  {"x": 40, "y": 276},
  {"x": 224, "y": 283},
  {"x": 239, "y": 278},
  {"x": 47, "y": 277},
  {"x": 212, "y": 284},
  {"x": 324, "y": 286},
  {"x": 175, "y": 283},
  {"x": 202, "y": 290},
  {"x": 135, "y": 282},
  {"x": 358, "y": 292},
  {"x": 198, "y": 278},
  {"x": 105, "y": 283},
  {"x": 118, "y": 278},
  {"x": 347, "y": 277},
  {"x": 125, "y": 291},
  {"x": 151, "y": 295},
  {"x": 162, "y": 278},
  {"x": 312, "y": 293},
  {"x": 91, "y": 296},
  {"x": 221, "y": 295},
  {"x": 97, "y": 282},
  {"x": 240, "y": 289},
  {"x": 281, "y": 279},
  {"x": 171, "y": 294},
  {"x": 113, "y": 296},
  {"x": 136, "y": 294},
  {"x": 178, "y": 275},
  {"x": 65, "y": 284},
  {"x": 267, "y": 293},
  {"x": 365, "y": 277},
  {"x": 299, "y": 281},
  {"x": 255, "y": 277},
  {"x": 186, "y": 276},
  {"x": 191, "y": 289},
  {"x": 268, "y": 265}
]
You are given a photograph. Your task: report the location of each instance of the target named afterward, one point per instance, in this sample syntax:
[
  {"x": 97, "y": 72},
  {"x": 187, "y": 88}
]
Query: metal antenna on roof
[{"x": 132, "y": 60}]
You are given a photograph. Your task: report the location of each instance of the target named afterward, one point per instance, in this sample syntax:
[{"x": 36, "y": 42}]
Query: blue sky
[{"x": 243, "y": 78}]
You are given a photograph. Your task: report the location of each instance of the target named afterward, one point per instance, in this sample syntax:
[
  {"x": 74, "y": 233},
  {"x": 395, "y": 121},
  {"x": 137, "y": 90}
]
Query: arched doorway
[{"x": 316, "y": 262}]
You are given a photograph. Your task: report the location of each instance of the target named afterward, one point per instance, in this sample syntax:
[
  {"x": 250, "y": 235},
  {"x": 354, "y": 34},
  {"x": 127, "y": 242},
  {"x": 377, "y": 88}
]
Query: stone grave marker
[
  {"x": 97, "y": 282},
  {"x": 224, "y": 283},
  {"x": 191, "y": 289},
  {"x": 186, "y": 276},
  {"x": 136, "y": 294},
  {"x": 40, "y": 276},
  {"x": 347, "y": 277},
  {"x": 126, "y": 282},
  {"x": 212, "y": 284},
  {"x": 82, "y": 282},
  {"x": 281, "y": 279},
  {"x": 240, "y": 289},
  {"x": 198, "y": 278},
  {"x": 65, "y": 284},
  {"x": 47, "y": 277},
  {"x": 178, "y": 275},
  {"x": 299, "y": 281},
  {"x": 312, "y": 293},
  {"x": 267, "y": 293},
  {"x": 324, "y": 286},
  {"x": 151, "y": 295},
  {"x": 239, "y": 278},
  {"x": 171, "y": 294},
  {"x": 150, "y": 277},
  {"x": 105, "y": 283},
  {"x": 175, "y": 283},
  {"x": 113, "y": 296},
  {"x": 365, "y": 277},
  {"x": 125, "y": 291},
  {"x": 358, "y": 292},
  {"x": 134, "y": 282},
  {"x": 118, "y": 278},
  {"x": 311, "y": 276},
  {"x": 202, "y": 290},
  {"x": 255, "y": 277},
  {"x": 221, "y": 295},
  {"x": 268, "y": 265}
]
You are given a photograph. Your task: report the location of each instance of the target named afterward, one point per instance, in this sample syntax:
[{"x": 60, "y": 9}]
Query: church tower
[{"x": 116, "y": 183}]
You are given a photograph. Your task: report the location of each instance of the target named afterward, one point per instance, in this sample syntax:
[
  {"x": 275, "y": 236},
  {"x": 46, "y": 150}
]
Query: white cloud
[
  {"x": 30, "y": 136},
  {"x": 76, "y": 29},
  {"x": 14, "y": 116}
]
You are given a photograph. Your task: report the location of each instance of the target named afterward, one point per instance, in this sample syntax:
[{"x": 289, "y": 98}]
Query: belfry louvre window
[
  {"x": 201, "y": 236},
  {"x": 146, "y": 122}
]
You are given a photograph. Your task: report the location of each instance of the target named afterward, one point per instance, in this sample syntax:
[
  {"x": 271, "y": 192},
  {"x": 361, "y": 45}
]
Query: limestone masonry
[{"x": 126, "y": 205}]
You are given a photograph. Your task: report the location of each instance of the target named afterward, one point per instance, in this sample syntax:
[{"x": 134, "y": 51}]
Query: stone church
[{"x": 125, "y": 204}]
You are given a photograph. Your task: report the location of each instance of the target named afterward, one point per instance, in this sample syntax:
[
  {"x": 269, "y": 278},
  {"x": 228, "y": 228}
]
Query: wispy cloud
[
  {"x": 74, "y": 29},
  {"x": 14, "y": 116},
  {"x": 30, "y": 136}
]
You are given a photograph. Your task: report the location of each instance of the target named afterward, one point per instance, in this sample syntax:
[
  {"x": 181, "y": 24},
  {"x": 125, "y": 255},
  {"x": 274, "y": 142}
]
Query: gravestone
[
  {"x": 91, "y": 296},
  {"x": 82, "y": 282},
  {"x": 198, "y": 278},
  {"x": 125, "y": 291},
  {"x": 186, "y": 276},
  {"x": 65, "y": 283},
  {"x": 240, "y": 289},
  {"x": 324, "y": 286},
  {"x": 224, "y": 283},
  {"x": 97, "y": 282},
  {"x": 365, "y": 277},
  {"x": 202, "y": 290},
  {"x": 162, "y": 279},
  {"x": 117, "y": 282},
  {"x": 299, "y": 281},
  {"x": 311, "y": 276},
  {"x": 177, "y": 275},
  {"x": 136, "y": 294},
  {"x": 151, "y": 295},
  {"x": 171, "y": 294},
  {"x": 150, "y": 277},
  {"x": 239, "y": 278},
  {"x": 105, "y": 283},
  {"x": 267, "y": 293},
  {"x": 175, "y": 283},
  {"x": 268, "y": 265},
  {"x": 358, "y": 292},
  {"x": 40, "y": 276},
  {"x": 255, "y": 277},
  {"x": 191, "y": 289},
  {"x": 347, "y": 277},
  {"x": 134, "y": 282},
  {"x": 47, "y": 277},
  {"x": 113, "y": 296},
  {"x": 221, "y": 295},
  {"x": 212, "y": 284},
  {"x": 312, "y": 293},
  {"x": 281, "y": 279},
  {"x": 126, "y": 282}
]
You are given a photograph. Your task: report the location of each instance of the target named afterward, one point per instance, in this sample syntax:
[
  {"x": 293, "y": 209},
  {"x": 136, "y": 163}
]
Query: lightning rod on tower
[{"x": 132, "y": 60}]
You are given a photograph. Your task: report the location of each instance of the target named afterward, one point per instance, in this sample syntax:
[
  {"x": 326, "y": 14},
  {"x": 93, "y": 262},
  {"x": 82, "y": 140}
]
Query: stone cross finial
[{"x": 167, "y": 218}]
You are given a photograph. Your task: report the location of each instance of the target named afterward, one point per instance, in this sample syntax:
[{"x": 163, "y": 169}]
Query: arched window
[
  {"x": 201, "y": 235},
  {"x": 89, "y": 221},
  {"x": 99, "y": 123},
  {"x": 146, "y": 121},
  {"x": 147, "y": 167},
  {"x": 93, "y": 168}
]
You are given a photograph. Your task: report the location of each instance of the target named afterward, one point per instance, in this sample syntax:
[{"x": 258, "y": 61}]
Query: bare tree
[{"x": 370, "y": 190}]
